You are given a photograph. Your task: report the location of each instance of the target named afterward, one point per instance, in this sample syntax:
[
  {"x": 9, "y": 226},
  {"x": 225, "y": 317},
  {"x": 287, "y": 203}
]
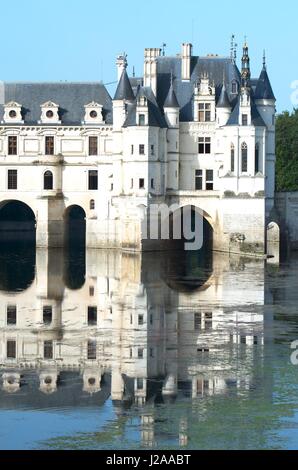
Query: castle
[{"x": 193, "y": 131}]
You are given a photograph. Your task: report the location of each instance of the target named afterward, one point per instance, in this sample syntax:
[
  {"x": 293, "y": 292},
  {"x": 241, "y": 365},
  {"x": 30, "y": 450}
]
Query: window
[
  {"x": 11, "y": 349},
  {"x": 273, "y": 120},
  {"x": 141, "y": 320},
  {"x": 257, "y": 158},
  {"x": 91, "y": 291},
  {"x": 92, "y": 316},
  {"x": 199, "y": 180},
  {"x": 93, "y": 180},
  {"x": 197, "y": 321},
  {"x": 48, "y": 350},
  {"x": 12, "y": 179},
  {"x": 232, "y": 158},
  {"x": 151, "y": 352},
  {"x": 152, "y": 149},
  {"x": 244, "y": 119},
  {"x": 12, "y": 145},
  {"x": 140, "y": 353},
  {"x": 204, "y": 145},
  {"x": 11, "y": 315},
  {"x": 140, "y": 384},
  {"x": 209, "y": 180},
  {"x": 234, "y": 87},
  {"x": 204, "y": 112},
  {"x": 141, "y": 183},
  {"x": 142, "y": 149},
  {"x": 91, "y": 350},
  {"x": 48, "y": 180},
  {"x": 92, "y": 205},
  {"x": 244, "y": 157},
  {"x": 47, "y": 314},
  {"x": 132, "y": 150},
  {"x": 93, "y": 146},
  {"x": 141, "y": 119},
  {"x": 152, "y": 183},
  {"x": 131, "y": 183},
  {"x": 49, "y": 147}
]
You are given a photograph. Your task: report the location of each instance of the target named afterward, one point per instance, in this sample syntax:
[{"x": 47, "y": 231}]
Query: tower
[{"x": 172, "y": 109}]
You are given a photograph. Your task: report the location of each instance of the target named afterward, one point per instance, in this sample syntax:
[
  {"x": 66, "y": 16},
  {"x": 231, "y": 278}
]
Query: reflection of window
[
  {"x": 11, "y": 315},
  {"x": 47, "y": 314},
  {"x": 197, "y": 321},
  {"x": 204, "y": 145},
  {"x": 208, "y": 321},
  {"x": 141, "y": 183},
  {"x": 48, "y": 180},
  {"x": 142, "y": 149},
  {"x": 209, "y": 180},
  {"x": 152, "y": 183},
  {"x": 232, "y": 158},
  {"x": 91, "y": 350},
  {"x": 199, "y": 180},
  {"x": 244, "y": 158},
  {"x": 92, "y": 204},
  {"x": 141, "y": 320},
  {"x": 48, "y": 350},
  {"x": 92, "y": 316},
  {"x": 11, "y": 349},
  {"x": 152, "y": 149},
  {"x": 204, "y": 112},
  {"x": 140, "y": 353},
  {"x": 140, "y": 384}
]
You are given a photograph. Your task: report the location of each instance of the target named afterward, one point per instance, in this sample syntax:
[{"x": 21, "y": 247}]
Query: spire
[
  {"x": 264, "y": 90},
  {"x": 223, "y": 101},
  {"x": 245, "y": 71},
  {"x": 171, "y": 100},
  {"x": 124, "y": 89}
]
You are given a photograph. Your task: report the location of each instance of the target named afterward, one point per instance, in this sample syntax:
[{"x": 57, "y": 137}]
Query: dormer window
[
  {"x": 12, "y": 113},
  {"x": 50, "y": 113},
  {"x": 204, "y": 112},
  {"x": 141, "y": 119},
  {"x": 93, "y": 113},
  {"x": 234, "y": 87}
]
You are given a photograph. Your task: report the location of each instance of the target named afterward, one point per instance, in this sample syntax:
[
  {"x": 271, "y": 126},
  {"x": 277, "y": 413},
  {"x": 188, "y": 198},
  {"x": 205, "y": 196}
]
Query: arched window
[
  {"x": 232, "y": 158},
  {"x": 244, "y": 166},
  {"x": 48, "y": 180},
  {"x": 257, "y": 158},
  {"x": 92, "y": 205}
]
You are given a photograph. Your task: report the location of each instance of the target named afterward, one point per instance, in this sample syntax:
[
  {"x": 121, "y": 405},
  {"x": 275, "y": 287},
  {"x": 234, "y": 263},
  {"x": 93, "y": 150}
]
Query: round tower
[{"x": 172, "y": 111}]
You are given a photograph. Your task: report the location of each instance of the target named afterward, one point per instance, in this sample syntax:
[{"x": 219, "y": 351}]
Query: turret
[
  {"x": 172, "y": 108},
  {"x": 223, "y": 107},
  {"x": 123, "y": 96},
  {"x": 264, "y": 97},
  {"x": 245, "y": 98},
  {"x": 172, "y": 111}
]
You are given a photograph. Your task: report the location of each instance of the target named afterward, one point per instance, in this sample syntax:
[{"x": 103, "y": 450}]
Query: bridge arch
[
  {"x": 17, "y": 221},
  {"x": 74, "y": 225}
]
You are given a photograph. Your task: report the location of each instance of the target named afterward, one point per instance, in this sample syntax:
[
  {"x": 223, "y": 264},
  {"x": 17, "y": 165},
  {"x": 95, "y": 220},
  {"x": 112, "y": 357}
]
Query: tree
[{"x": 287, "y": 151}]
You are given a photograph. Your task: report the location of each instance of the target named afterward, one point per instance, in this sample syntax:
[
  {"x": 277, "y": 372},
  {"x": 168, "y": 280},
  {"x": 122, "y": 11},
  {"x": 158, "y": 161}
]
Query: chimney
[
  {"x": 121, "y": 64},
  {"x": 150, "y": 68},
  {"x": 186, "y": 61}
]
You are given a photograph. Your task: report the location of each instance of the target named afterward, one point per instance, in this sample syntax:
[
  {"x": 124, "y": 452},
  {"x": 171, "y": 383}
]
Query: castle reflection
[{"x": 139, "y": 329}]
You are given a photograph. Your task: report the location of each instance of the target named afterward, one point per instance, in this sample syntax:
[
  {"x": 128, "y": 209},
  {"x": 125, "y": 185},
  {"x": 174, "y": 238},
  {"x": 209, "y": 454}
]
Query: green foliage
[{"x": 287, "y": 151}]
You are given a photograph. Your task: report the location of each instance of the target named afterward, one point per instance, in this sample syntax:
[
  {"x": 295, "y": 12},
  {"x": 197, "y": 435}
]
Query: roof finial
[
  {"x": 133, "y": 71},
  {"x": 164, "y": 49},
  {"x": 171, "y": 78},
  {"x": 232, "y": 47},
  {"x": 264, "y": 59}
]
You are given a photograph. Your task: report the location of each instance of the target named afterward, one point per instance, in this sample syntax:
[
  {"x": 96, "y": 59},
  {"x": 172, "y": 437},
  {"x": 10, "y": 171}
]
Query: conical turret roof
[
  {"x": 171, "y": 100},
  {"x": 264, "y": 90},
  {"x": 223, "y": 101},
  {"x": 124, "y": 89}
]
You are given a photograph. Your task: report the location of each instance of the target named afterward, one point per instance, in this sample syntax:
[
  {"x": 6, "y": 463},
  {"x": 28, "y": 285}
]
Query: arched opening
[
  {"x": 273, "y": 242},
  {"x": 17, "y": 223},
  {"x": 75, "y": 226},
  {"x": 75, "y": 243},
  {"x": 48, "y": 180}
]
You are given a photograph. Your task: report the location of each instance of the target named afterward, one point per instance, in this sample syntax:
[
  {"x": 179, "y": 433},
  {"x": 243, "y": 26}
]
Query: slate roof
[
  {"x": 155, "y": 116},
  {"x": 223, "y": 100},
  {"x": 70, "y": 96},
  {"x": 217, "y": 68},
  {"x": 171, "y": 99},
  {"x": 124, "y": 89},
  {"x": 263, "y": 88},
  {"x": 256, "y": 119}
]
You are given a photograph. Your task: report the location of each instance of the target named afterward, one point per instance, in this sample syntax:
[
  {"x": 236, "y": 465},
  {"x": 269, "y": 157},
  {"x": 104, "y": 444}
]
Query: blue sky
[{"x": 80, "y": 39}]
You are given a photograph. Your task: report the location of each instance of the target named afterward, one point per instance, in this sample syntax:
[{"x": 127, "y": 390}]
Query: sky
[{"x": 78, "y": 40}]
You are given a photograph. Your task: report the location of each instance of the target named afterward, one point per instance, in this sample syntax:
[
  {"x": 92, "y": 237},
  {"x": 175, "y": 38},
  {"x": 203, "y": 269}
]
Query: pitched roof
[
  {"x": 155, "y": 116},
  {"x": 217, "y": 69},
  {"x": 171, "y": 99},
  {"x": 264, "y": 90},
  {"x": 70, "y": 96},
  {"x": 124, "y": 89},
  {"x": 256, "y": 119},
  {"x": 223, "y": 100}
]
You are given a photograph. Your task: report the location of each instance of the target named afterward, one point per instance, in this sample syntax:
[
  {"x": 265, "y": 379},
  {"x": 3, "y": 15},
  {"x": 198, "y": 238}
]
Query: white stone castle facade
[{"x": 192, "y": 131}]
